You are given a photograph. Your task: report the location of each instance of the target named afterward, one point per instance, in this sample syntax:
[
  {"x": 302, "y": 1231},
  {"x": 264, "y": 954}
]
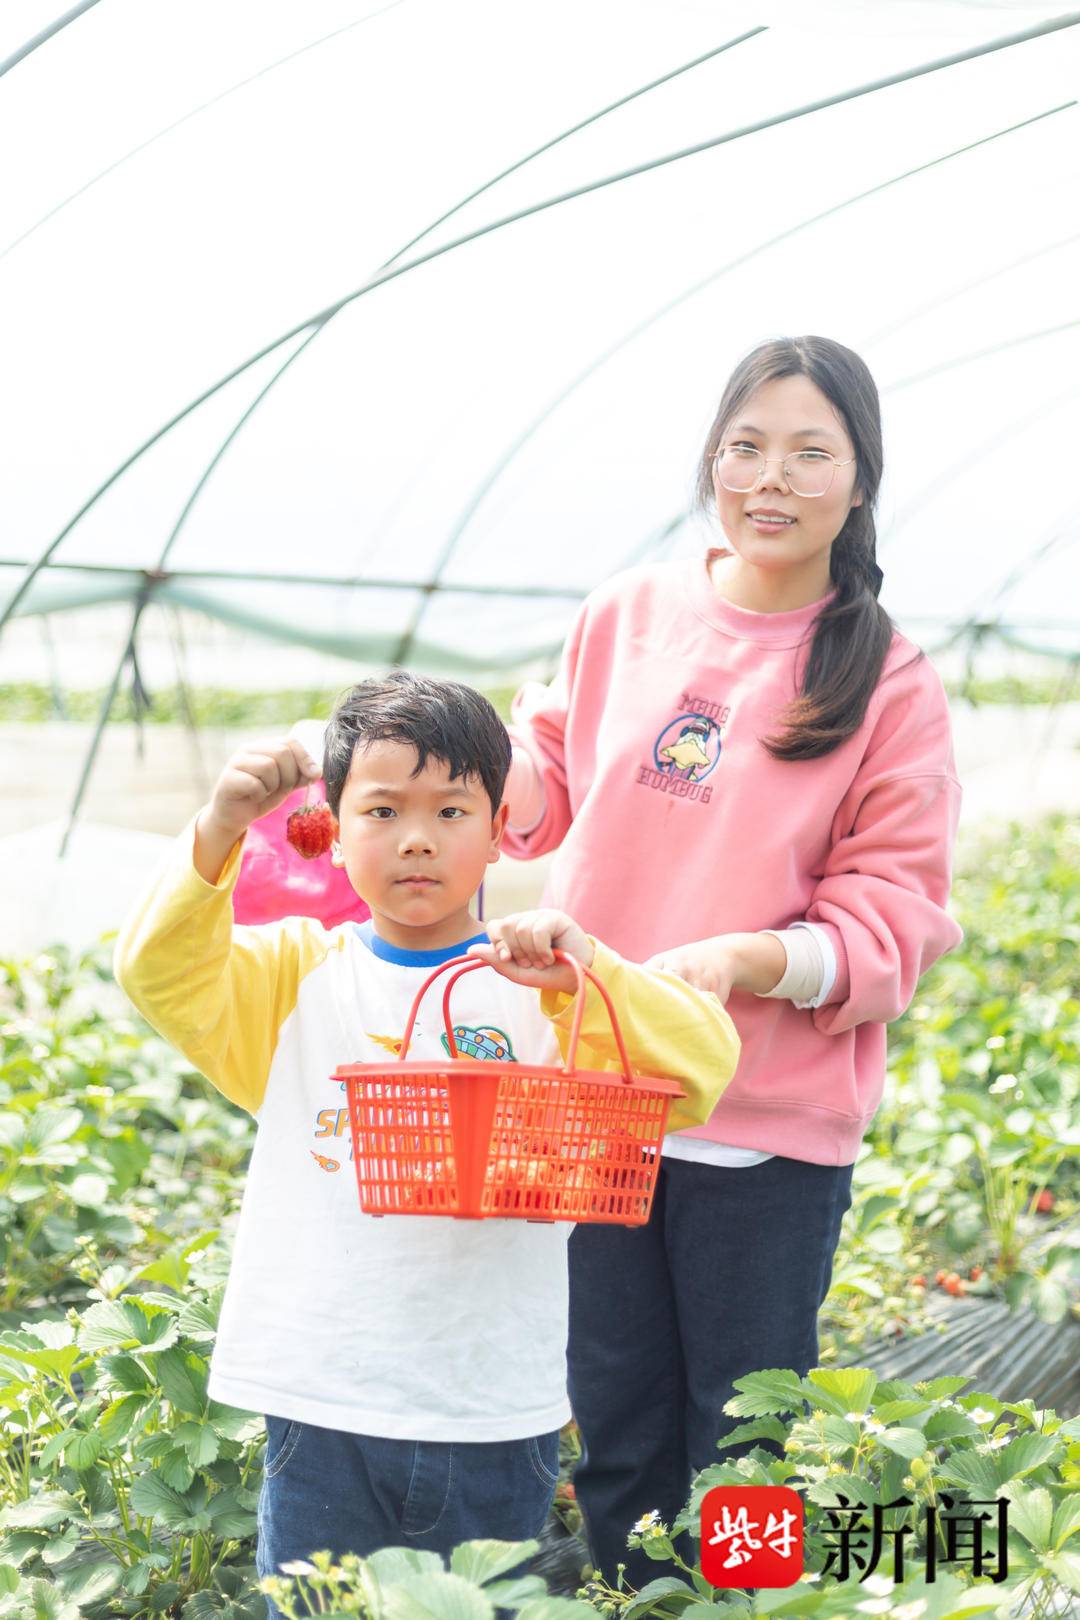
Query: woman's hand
[
  {"x": 522, "y": 949},
  {"x": 727, "y": 962}
]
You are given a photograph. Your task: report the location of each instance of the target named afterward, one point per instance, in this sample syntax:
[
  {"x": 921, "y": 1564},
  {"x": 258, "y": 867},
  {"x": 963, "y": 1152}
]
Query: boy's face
[{"x": 415, "y": 847}]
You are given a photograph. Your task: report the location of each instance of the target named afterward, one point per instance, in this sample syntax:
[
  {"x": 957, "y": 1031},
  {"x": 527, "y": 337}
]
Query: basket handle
[{"x": 468, "y": 964}]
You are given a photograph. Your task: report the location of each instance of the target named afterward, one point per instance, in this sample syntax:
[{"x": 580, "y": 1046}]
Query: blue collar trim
[{"x": 396, "y": 953}]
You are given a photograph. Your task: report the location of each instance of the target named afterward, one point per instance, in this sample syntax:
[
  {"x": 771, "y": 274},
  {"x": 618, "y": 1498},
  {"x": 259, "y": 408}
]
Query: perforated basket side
[{"x": 403, "y": 1144}]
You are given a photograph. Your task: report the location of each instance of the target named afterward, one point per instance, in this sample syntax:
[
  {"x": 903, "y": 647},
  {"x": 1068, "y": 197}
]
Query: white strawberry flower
[{"x": 646, "y": 1522}]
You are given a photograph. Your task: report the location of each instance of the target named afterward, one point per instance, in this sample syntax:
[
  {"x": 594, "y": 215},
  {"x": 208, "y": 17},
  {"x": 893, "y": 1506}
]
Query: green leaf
[
  {"x": 1049, "y": 1299},
  {"x": 668, "y": 1587},
  {"x": 1066, "y": 1566},
  {"x": 18, "y": 1347},
  {"x": 83, "y": 1451},
  {"x": 903, "y": 1442},
  {"x": 765, "y": 1394},
  {"x": 482, "y": 1561},
  {"x": 896, "y": 1411},
  {"x": 512, "y": 1594},
  {"x": 41, "y": 1512},
  {"x": 127, "y": 1373},
  {"x": 948, "y": 1426},
  {"x": 1066, "y": 1519},
  {"x": 176, "y": 1469},
  {"x": 121, "y": 1324},
  {"x": 766, "y": 1428},
  {"x": 92, "y": 1582},
  {"x": 231, "y": 1518},
  {"x": 942, "y": 1388},
  {"x": 200, "y": 1442},
  {"x": 1031, "y": 1514},
  {"x": 438, "y": 1596},
  {"x": 89, "y": 1190},
  {"x": 842, "y": 1389},
  {"x": 972, "y": 1470},
  {"x": 231, "y": 1423},
  {"x": 784, "y": 1600},
  {"x": 556, "y": 1608},
  {"x": 884, "y": 1240},
  {"x": 183, "y": 1377},
  {"x": 1026, "y": 1452},
  {"x": 199, "y": 1319},
  {"x": 854, "y": 1486},
  {"x": 153, "y": 1498},
  {"x": 391, "y": 1564},
  {"x": 119, "y": 1418},
  {"x": 48, "y": 1126},
  {"x": 49, "y": 1603},
  {"x": 54, "y": 1334}
]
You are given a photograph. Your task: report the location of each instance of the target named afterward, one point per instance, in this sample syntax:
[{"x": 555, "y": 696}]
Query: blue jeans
[
  {"x": 355, "y": 1492},
  {"x": 726, "y": 1279}
]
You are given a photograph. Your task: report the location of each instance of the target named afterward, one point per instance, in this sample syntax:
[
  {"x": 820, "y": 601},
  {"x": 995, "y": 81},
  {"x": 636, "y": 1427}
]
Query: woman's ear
[{"x": 336, "y": 856}]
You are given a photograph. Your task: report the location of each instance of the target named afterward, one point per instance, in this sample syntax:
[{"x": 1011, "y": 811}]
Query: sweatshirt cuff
[{"x": 558, "y": 1005}]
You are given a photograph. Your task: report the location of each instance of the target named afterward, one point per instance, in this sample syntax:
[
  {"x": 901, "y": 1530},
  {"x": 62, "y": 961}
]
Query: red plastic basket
[{"x": 514, "y": 1140}]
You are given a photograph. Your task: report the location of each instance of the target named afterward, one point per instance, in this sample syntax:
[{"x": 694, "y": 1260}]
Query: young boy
[{"x": 411, "y": 1368}]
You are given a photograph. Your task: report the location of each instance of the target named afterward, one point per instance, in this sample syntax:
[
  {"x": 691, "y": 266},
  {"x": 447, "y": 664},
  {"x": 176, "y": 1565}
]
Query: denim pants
[
  {"x": 726, "y": 1279},
  {"x": 355, "y": 1493}
]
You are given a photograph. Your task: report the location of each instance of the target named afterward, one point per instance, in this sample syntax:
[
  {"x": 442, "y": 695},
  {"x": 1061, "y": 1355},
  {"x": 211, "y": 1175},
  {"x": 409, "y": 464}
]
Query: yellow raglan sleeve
[
  {"x": 670, "y": 1029},
  {"x": 216, "y": 991}
]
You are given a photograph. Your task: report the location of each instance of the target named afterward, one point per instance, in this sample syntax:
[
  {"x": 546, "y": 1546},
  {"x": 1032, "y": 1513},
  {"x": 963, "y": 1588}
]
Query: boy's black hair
[{"x": 443, "y": 719}]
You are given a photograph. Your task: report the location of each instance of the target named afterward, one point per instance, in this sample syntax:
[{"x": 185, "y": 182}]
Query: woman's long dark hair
[{"x": 853, "y": 633}]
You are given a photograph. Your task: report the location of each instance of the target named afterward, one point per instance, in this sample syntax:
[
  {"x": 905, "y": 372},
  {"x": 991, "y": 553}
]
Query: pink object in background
[{"x": 276, "y": 881}]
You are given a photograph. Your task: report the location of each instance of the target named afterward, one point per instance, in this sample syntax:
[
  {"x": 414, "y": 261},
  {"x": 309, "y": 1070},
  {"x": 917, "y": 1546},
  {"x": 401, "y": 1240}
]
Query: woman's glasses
[{"x": 740, "y": 468}]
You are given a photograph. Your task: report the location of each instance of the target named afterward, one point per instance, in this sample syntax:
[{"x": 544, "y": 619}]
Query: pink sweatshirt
[{"x": 673, "y": 823}]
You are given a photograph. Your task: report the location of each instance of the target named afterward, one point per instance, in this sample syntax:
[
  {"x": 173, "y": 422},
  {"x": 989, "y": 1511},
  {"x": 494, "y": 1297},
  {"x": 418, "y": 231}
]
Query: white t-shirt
[{"x": 408, "y": 1326}]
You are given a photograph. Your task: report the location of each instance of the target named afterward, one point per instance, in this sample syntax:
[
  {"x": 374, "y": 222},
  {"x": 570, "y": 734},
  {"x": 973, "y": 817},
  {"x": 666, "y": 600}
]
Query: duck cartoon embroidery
[{"x": 688, "y": 754}]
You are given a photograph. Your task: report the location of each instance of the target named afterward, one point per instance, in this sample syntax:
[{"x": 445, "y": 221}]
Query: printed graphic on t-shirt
[
  {"x": 687, "y": 750},
  {"x": 486, "y": 1042},
  {"x": 389, "y": 1043},
  {"x": 334, "y": 1122}
]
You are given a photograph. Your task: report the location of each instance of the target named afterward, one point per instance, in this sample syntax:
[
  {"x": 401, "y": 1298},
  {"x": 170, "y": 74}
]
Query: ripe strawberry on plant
[
  {"x": 1045, "y": 1201},
  {"x": 311, "y": 830}
]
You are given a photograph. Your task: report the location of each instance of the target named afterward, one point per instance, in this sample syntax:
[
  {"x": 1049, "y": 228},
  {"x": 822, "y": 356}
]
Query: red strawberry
[
  {"x": 954, "y": 1284},
  {"x": 976, "y": 1273},
  {"x": 919, "y": 1281},
  {"x": 1045, "y": 1201},
  {"x": 311, "y": 830},
  {"x": 939, "y": 1278}
]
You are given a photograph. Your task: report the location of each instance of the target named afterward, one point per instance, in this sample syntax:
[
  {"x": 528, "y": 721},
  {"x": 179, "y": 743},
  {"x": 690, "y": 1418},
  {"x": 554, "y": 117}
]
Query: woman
[{"x": 748, "y": 774}]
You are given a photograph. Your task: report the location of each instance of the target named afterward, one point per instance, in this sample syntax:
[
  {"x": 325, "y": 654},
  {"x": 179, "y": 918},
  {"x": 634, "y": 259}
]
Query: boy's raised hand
[
  {"x": 252, "y": 783},
  {"x": 522, "y": 948}
]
